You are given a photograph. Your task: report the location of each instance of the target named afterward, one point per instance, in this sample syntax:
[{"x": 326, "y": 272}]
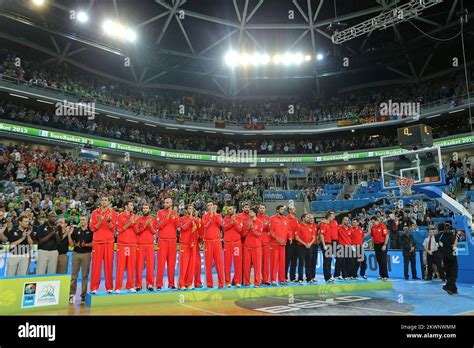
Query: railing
[{"x": 173, "y": 116}]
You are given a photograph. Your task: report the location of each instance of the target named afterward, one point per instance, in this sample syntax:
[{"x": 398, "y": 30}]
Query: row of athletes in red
[{"x": 251, "y": 239}]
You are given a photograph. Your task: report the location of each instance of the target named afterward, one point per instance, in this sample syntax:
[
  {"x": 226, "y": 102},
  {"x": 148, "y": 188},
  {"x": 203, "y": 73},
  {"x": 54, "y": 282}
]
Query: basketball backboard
[{"x": 423, "y": 166}]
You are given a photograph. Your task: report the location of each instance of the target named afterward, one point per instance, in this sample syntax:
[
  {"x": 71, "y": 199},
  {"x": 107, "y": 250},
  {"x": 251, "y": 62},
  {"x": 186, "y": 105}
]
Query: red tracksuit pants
[
  {"x": 197, "y": 265},
  {"x": 266, "y": 262},
  {"x": 253, "y": 257},
  {"x": 233, "y": 253},
  {"x": 166, "y": 254},
  {"x": 213, "y": 252},
  {"x": 102, "y": 253},
  {"x": 277, "y": 263},
  {"x": 145, "y": 254},
  {"x": 186, "y": 265},
  {"x": 126, "y": 260}
]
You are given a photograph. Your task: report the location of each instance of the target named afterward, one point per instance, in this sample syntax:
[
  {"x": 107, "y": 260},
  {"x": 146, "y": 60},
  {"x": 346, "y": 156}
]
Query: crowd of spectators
[
  {"x": 36, "y": 69},
  {"x": 136, "y": 133}
]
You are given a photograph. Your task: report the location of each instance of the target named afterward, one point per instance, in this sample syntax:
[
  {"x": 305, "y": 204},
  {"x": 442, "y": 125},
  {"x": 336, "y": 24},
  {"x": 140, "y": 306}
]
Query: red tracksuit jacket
[
  {"x": 252, "y": 235},
  {"x": 265, "y": 237},
  {"x": 212, "y": 226},
  {"x": 103, "y": 233},
  {"x": 167, "y": 226},
  {"x": 232, "y": 230},
  {"x": 128, "y": 236},
  {"x": 279, "y": 229},
  {"x": 146, "y": 236},
  {"x": 188, "y": 234}
]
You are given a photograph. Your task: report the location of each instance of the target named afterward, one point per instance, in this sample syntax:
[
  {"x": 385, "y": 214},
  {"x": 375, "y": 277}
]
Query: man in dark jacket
[
  {"x": 409, "y": 255},
  {"x": 447, "y": 241}
]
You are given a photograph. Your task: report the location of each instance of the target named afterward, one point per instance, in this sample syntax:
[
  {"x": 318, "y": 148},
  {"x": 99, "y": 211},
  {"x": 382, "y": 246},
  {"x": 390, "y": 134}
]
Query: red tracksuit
[
  {"x": 213, "y": 247},
  {"x": 197, "y": 252},
  {"x": 266, "y": 247},
  {"x": 166, "y": 246},
  {"x": 187, "y": 254},
  {"x": 102, "y": 248},
  {"x": 278, "y": 229},
  {"x": 253, "y": 252},
  {"x": 232, "y": 249},
  {"x": 126, "y": 251},
  {"x": 146, "y": 250}
]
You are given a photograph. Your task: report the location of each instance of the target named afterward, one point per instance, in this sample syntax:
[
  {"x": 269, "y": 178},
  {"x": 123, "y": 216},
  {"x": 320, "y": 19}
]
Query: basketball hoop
[{"x": 405, "y": 185}]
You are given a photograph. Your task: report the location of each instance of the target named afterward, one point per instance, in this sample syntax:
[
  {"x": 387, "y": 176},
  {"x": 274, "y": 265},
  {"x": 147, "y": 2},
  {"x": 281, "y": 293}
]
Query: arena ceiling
[{"x": 186, "y": 52}]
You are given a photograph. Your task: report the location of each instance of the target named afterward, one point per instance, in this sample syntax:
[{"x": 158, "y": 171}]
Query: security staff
[
  {"x": 409, "y": 255},
  {"x": 81, "y": 240},
  {"x": 447, "y": 241}
]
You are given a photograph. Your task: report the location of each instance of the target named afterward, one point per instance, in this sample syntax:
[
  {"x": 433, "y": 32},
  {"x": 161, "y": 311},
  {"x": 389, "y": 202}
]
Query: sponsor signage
[{"x": 99, "y": 143}]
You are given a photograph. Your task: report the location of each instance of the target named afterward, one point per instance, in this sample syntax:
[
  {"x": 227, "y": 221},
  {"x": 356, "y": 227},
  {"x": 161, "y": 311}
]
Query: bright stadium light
[
  {"x": 319, "y": 56},
  {"x": 277, "y": 59},
  {"x": 117, "y": 30},
  {"x": 298, "y": 58},
  {"x": 109, "y": 27},
  {"x": 82, "y": 17},
  {"x": 232, "y": 59},
  {"x": 130, "y": 35},
  {"x": 38, "y": 2},
  {"x": 287, "y": 59},
  {"x": 261, "y": 59},
  {"x": 245, "y": 59}
]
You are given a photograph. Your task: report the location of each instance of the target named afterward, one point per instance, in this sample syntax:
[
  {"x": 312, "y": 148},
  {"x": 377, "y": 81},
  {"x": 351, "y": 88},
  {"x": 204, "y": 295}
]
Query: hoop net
[{"x": 405, "y": 185}]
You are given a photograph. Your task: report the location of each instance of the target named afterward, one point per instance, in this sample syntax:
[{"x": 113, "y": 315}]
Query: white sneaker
[
  {"x": 109, "y": 291},
  {"x": 132, "y": 290},
  {"x": 94, "y": 292},
  {"x": 117, "y": 291},
  {"x": 72, "y": 298}
]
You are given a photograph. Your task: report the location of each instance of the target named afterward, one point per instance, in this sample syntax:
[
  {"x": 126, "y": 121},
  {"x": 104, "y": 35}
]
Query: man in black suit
[
  {"x": 447, "y": 241},
  {"x": 409, "y": 255}
]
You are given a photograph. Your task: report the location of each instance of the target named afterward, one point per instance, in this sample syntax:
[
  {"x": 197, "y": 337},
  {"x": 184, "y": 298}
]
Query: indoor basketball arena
[{"x": 164, "y": 159}]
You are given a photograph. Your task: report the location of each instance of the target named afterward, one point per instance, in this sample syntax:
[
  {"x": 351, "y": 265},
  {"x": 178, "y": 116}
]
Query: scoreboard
[{"x": 416, "y": 136}]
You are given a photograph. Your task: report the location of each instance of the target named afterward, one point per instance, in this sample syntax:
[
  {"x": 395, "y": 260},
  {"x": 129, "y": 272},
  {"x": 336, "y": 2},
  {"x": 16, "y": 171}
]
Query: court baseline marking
[{"x": 200, "y": 309}]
